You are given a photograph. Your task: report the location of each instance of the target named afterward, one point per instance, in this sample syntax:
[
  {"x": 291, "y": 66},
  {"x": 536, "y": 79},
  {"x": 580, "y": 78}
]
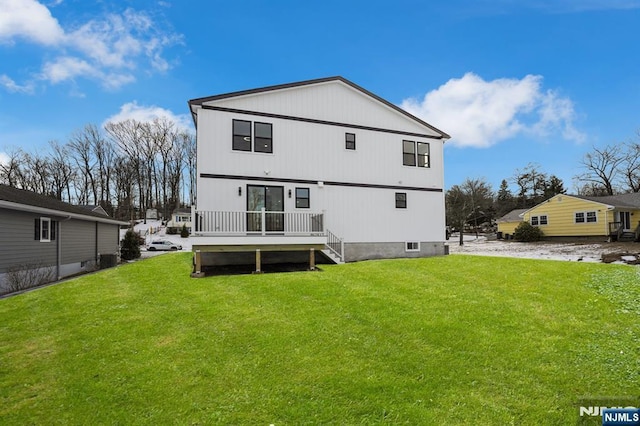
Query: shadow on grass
[{"x": 250, "y": 269}]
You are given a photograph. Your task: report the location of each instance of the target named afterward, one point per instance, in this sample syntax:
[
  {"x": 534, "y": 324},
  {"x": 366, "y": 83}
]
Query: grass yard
[{"x": 449, "y": 340}]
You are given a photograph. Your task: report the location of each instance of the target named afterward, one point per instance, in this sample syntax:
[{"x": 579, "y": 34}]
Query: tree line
[
  {"x": 126, "y": 167},
  {"x": 614, "y": 169}
]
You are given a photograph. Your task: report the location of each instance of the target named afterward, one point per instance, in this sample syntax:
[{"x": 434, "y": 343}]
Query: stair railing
[{"x": 335, "y": 245}]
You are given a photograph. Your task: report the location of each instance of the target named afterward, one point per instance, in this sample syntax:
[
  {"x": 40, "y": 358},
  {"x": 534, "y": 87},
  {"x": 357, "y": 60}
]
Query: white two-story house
[{"x": 315, "y": 166}]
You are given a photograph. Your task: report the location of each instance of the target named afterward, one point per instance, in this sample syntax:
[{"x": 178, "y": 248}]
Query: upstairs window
[
  {"x": 241, "y": 135},
  {"x": 401, "y": 200},
  {"x": 415, "y": 154},
  {"x": 350, "y": 141},
  {"x": 264, "y": 137},
  {"x": 302, "y": 198},
  {"x": 260, "y": 141}
]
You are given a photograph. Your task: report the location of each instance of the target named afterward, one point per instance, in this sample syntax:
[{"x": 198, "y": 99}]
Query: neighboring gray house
[{"x": 40, "y": 232}]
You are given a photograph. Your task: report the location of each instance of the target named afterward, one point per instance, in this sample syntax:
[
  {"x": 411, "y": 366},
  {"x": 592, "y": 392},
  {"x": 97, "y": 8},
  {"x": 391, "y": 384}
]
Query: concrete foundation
[{"x": 366, "y": 251}]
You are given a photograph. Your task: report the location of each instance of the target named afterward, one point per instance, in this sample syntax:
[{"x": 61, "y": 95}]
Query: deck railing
[{"x": 261, "y": 222}]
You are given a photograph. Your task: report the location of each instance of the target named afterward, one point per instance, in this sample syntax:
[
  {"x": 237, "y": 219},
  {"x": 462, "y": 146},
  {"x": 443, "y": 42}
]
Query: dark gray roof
[
  {"x": 200, "y": 101},
  {"x": 28, "y": 198},
  {"x": 630, "y": 201},
  {"x": 512, "y": 216}
]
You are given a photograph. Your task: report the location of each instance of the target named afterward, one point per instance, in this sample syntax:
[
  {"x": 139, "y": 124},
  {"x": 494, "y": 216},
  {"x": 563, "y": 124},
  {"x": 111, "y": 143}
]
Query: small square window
[
  {"x": 534, "y": 220},
  {"x": 580, "y": 217},
  {"x": 543, "y": 220},
  {"x": 350, "y": 141},
  {"x": 401, "y": 200},
  {"x": 302, "y": 198},
  {"x": 592, "y": 217}
]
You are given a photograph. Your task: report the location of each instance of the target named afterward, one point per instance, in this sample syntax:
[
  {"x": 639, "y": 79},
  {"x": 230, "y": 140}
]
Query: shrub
[
  {"x": 130, "y": 246},
  {"x": 171, "y": 230},
  {"x": 24, "y": 276},
  {"x": 184, "y": 232},
  {"x": 525, "y": 232}
]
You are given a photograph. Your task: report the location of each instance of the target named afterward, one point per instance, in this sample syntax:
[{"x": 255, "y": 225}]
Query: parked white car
[{"x": 163, "y": 245}]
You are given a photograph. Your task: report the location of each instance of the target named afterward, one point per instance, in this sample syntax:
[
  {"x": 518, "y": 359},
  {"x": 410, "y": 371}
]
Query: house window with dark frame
[
  {"x": 350, "y": 141},
  {"x": 416, "y": 154},
  {"x": 263, "y": 137},
  {"x": 302, "y": 198},
  {"x": 241, "y": 135},
  {"x": 412, "y": 246},
  {"x": 401, "y": 200},
  {"x": 45, "y": 230},
  {"x": 408, "y": 153}
]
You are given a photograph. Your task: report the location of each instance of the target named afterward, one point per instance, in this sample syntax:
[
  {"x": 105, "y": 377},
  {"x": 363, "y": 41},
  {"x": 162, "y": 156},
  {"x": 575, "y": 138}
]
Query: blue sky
[{"x": 513, "y": 81}]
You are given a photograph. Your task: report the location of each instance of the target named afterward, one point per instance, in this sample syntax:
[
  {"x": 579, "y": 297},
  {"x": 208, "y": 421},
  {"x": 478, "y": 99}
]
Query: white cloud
[
  {"x": 144, "y": 114},
  {"x": 110, "y": 49},
  {"x": 28, "y": 19},
  {"x": 479, "y": 113},
  {"x": 13, "y": 87}
]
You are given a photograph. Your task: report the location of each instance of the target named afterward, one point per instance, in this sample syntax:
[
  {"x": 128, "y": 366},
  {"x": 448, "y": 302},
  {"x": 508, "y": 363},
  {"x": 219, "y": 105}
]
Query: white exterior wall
[
  {"x": 352, "y": 213},
  {"x": 332, "y": 101},
  {"x": 316, "y": 152}
]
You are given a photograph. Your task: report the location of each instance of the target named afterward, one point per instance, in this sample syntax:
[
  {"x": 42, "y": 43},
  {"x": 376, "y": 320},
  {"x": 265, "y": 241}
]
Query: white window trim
[
  {"x": 538, "y": 216},
  {"x": 586, "y": 222},
  {"x": 407, "y": 249},
  {"x": 42, "y": 239}
]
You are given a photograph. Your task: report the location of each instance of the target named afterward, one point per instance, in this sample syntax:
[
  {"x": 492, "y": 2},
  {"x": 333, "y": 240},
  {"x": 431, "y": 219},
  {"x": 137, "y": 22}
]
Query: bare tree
[
  {"x": 80, "y": 147},
  {"x": 62, "y": 173},
  {"x": 631, "y": 165},
  {"x": 603, "y": 166},
  {"x": 11, "y": 172}
]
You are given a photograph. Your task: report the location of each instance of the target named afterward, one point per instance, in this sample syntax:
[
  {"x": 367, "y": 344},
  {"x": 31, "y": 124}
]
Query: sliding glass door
[{"x": 271, "y": 198}]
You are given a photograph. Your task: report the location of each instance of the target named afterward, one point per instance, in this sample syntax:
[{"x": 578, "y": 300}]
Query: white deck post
[{"x": 263, "y": 220}]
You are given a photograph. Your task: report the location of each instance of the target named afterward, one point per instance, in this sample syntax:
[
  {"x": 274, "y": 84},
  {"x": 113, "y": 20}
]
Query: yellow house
[
  {"x": 616, "y": 217},
  {"x": 507, "y": 223}
]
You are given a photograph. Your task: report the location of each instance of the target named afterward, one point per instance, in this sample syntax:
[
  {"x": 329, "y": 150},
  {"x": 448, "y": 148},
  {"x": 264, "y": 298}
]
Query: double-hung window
[
  {"x": 45, "y": 229},
  {"x": 264, "y": 137},
  {"x": 241, "y": 135},
  {"x": 401, "y": 200},
  {"x": 415, "y": 154},
  {"x": 350, "y": 141},
  {"x": 260, "y": 140},
  {"x": 586, "y": 217},
  {"x": 302, "y": 198},
  {"x": 539, "y": 220}
]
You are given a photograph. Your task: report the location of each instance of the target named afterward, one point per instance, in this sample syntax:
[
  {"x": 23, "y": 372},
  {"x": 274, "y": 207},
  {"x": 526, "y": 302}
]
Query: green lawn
[{"x": 449, "y": 340}]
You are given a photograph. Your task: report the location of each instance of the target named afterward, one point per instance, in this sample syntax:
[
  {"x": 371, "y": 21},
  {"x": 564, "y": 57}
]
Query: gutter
[{"x": 52, "y": 212}]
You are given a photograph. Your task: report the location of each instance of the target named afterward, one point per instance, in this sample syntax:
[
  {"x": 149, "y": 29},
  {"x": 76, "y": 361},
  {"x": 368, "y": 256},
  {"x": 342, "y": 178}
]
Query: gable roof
[
  {"x": 198, "y": 102},
  {"x": 512, "y": 216},
  {"x": 20, "y": 199}
]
